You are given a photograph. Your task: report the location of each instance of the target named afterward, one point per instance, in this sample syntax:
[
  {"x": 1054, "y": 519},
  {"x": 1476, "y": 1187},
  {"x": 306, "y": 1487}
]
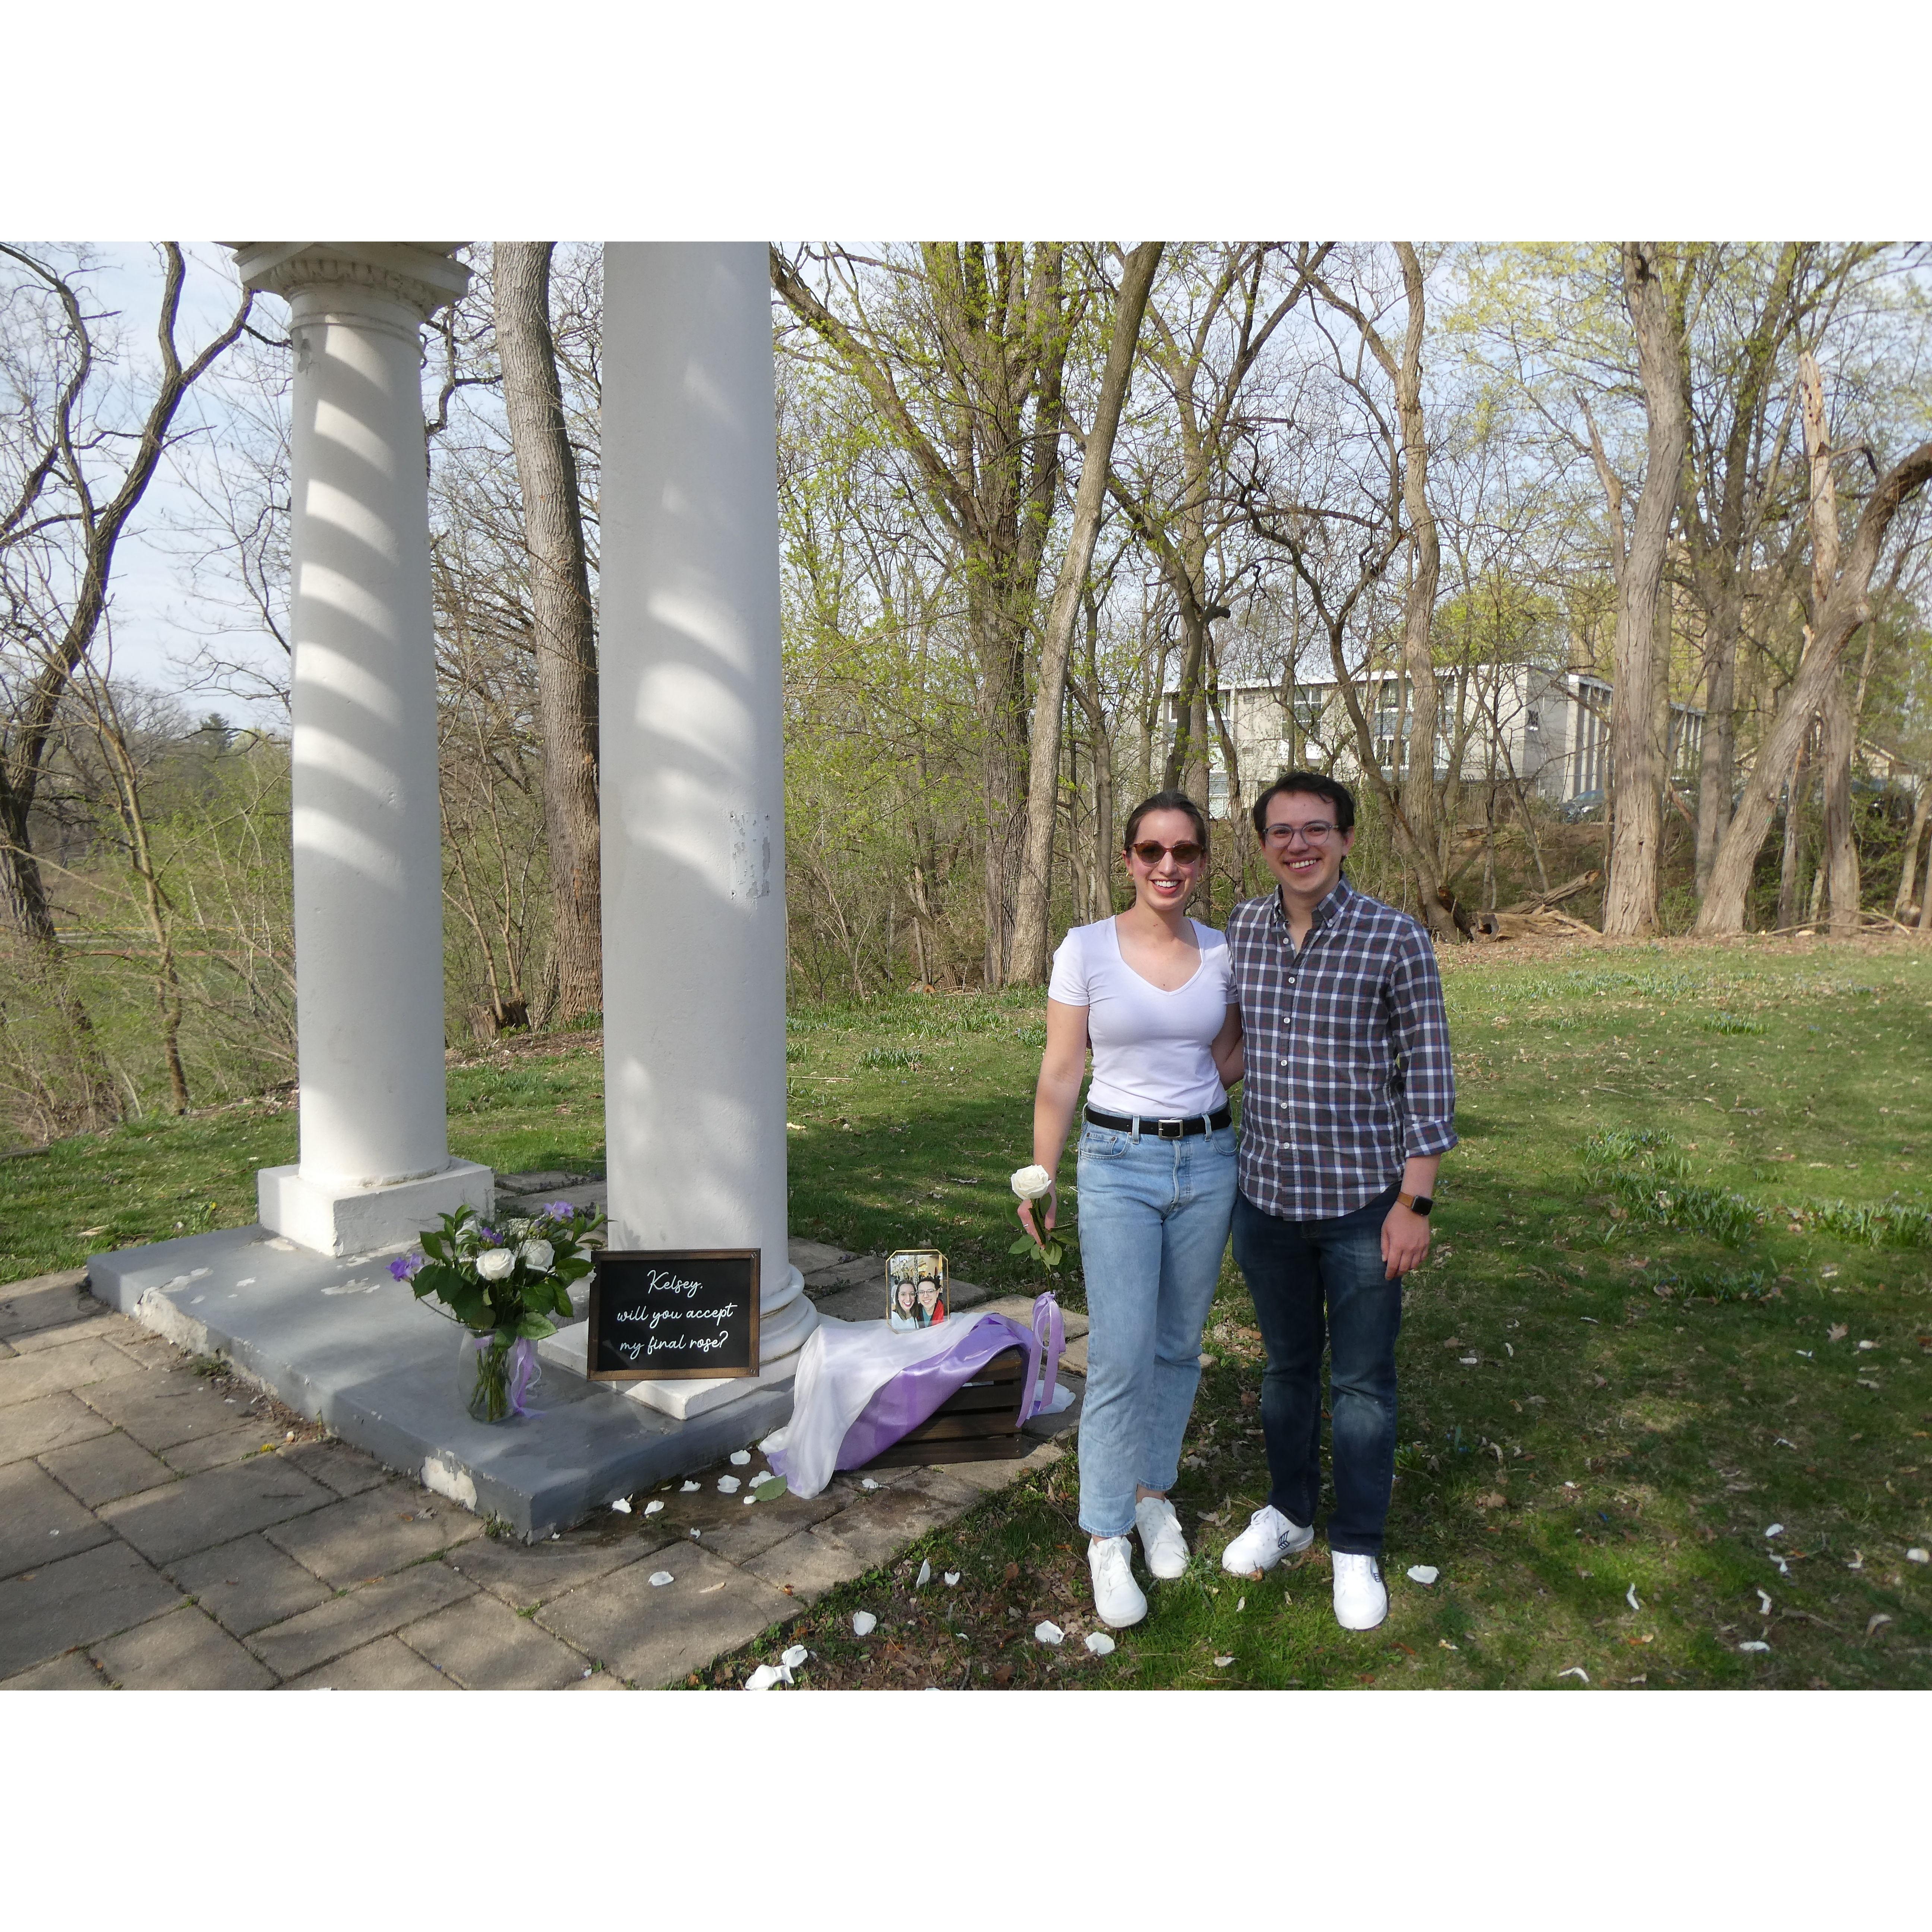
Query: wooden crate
[{"x": 976, "y": 1423}]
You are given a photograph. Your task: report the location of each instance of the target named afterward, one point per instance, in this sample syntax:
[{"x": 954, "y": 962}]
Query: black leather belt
[{"x": 1166, "y": 1130}]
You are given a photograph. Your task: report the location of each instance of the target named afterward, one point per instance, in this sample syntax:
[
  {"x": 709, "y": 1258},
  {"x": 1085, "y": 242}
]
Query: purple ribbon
[{"x": 1049, "y": 1338}]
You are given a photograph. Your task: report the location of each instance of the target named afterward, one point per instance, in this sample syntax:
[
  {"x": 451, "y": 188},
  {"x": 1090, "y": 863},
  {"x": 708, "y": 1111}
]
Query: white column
[
  {"x": 692, "y": 759},
  {"x": 375, "y": 1165}
]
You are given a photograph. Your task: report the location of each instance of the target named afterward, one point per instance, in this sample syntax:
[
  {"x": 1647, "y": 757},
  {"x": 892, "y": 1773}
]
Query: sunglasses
[{"x": 1150, "y": 852}]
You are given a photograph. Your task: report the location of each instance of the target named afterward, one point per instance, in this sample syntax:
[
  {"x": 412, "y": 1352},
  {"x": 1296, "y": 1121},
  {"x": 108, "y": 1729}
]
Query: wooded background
[{"x": 1033, "y": 498}]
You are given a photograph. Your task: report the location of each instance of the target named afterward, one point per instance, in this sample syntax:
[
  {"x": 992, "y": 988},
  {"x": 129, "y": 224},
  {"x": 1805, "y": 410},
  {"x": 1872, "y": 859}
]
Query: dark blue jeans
[{"x": 1313, "y": 1282}]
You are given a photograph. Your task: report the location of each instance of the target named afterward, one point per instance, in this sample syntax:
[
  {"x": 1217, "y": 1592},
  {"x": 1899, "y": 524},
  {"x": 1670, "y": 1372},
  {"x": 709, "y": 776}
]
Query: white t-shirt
[{"x": 1150, "y": 1054}]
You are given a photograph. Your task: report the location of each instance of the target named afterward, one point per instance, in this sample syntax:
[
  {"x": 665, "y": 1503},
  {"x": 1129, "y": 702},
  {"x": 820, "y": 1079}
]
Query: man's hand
[{"x": 1405, "y": 1241}]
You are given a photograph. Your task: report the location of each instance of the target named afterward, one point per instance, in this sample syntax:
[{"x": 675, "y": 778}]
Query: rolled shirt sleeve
[{"x": 1419, "y": 1023}]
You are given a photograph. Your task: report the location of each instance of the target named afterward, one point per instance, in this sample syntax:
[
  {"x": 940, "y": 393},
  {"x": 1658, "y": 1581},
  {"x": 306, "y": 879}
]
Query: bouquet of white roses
[
  {"x": 1033, "y": 1185},
  {"x": 503, "y": 1283}
]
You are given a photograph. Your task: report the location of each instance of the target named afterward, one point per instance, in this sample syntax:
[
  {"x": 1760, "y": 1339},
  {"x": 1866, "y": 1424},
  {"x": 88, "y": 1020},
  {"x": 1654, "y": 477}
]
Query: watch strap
[{"x": 1416, "y": 1204}]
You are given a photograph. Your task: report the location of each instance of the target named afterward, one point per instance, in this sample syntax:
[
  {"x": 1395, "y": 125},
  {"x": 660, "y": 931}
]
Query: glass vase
[{"x": 483, "y": 1377}]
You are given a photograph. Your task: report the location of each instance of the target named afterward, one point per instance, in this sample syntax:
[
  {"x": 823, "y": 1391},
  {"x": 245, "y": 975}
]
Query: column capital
[{"x": 423, "y": 274}]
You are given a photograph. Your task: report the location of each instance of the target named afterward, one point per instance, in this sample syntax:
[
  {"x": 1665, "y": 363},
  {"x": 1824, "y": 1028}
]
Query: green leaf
[
  {"x": 769, "y": 1489},
  {"x": 1020, "y": 1247},
  {"x": 534, "y": 1328}
]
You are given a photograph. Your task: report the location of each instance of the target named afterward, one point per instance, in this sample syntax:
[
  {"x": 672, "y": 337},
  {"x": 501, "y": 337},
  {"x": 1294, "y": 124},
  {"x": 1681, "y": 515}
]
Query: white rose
[
  {"x": 1031, "y": 1183},
  {"x": 538, "y": 1256},
  {"x": 493, "y": 1264}
]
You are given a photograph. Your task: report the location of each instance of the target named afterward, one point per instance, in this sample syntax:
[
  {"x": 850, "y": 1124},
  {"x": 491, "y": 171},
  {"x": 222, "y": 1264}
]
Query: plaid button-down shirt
[{"x": 1347, "y": 1053}]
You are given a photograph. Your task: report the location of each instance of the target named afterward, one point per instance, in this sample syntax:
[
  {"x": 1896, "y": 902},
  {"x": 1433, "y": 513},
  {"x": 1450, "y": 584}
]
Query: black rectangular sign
[{"x": 672, "y": 1314}]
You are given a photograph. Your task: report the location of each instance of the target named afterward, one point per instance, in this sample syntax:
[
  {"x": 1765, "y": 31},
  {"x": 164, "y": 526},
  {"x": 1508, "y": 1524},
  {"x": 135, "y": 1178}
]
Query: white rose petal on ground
[
  {"x": 1776, "y": 1529},
  {"x": 795, "y": 1657},
  {"x": 1222, "y": 1662},
  {"x": 1915, "y": 1554},
  {"x": 623, "y": 1505},
  {"x": 1629, "y": 1598},
  {"x": 687, "y": 1489},
  {"x": 1576, "y": 1670},
  {"x": 1099, "y": 1643},
  {"x": 1763, "y": 1603},
  {"x": 1424, "y": 1573},
  {"x": 727, "y": 1486},
  {"x": 739, "y": 1457},
  {"x": 1047, "y": 1634},
  {"x": 1754, "y": 1644},
  {"x": 863, "y": 1623},
  {"x": 747, "y": 1501},
  {"x": 952, "y": 1580},
  {"x": 651, "y": 1509},
  {"x": 659, "y": 1578},
  {"x": 867, "y": 1483},
  {"x": 767, "y": 1676},
  {"x": 924, "y": 1577}
]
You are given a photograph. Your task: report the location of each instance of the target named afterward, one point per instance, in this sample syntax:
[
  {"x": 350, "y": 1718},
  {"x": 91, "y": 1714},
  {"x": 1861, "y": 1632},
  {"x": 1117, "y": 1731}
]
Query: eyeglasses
[
  {"x": 1316, "y": 834},
  {"x": 1149, "y": 852}
]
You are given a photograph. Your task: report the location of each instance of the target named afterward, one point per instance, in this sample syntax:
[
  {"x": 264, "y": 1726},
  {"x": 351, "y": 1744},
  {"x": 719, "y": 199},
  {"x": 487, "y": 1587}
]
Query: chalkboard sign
[{"x": 674, "y": 1314}]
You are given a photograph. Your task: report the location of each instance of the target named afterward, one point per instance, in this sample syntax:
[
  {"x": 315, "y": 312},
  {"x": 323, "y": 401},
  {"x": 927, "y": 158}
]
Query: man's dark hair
[{"x": 1315, "y": 785}]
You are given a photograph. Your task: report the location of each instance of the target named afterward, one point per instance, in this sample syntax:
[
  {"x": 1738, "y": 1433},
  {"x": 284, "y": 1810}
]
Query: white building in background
[{"x": 1548, "y": 730}]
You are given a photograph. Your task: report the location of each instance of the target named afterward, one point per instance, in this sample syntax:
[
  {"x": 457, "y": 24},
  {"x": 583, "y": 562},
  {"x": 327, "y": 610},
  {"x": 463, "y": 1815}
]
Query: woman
[
  {"x": 1148, "y": 990},
  {"x": 905, "y": 1305},
  {"x": 931, "y": 1309}
]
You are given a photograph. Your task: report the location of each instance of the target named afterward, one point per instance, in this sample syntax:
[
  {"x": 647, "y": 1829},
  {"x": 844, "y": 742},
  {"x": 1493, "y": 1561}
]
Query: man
[{"x": 1345, "y": 1116}]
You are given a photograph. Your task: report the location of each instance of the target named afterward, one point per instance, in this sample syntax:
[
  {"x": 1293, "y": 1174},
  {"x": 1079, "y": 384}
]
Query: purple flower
[
  {"x": 488, "y": 1234},
  {"x": 561, "y": 1211},
  {"x": 404, "y": 1266}
]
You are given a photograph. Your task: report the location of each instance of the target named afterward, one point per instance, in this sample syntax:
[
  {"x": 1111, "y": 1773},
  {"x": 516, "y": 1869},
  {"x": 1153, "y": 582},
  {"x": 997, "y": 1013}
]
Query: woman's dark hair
[
  {"x": 1166, "y": 801},
  {"x": 1311, "y": 784}
]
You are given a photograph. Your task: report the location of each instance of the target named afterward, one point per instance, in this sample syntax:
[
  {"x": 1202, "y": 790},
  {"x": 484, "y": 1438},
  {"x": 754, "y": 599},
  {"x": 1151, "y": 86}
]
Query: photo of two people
[{"x": 917, "y": 1277}]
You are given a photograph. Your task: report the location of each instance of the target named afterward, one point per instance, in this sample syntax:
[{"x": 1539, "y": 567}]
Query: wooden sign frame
[{"x": 708, "y": 1372}]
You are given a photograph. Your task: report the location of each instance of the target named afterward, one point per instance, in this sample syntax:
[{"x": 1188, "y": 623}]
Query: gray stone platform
[{"x": 338, "y": 1340}]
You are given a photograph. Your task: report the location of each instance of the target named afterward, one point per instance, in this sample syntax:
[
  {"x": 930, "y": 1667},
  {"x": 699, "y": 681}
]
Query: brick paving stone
[
  {"x": 590, "y": 1680},
  {"x": 248, "y": 1584},
  {"x": 387, "y": 1664},
  {"x": 199, "y": 1511},
  {"x": 728, "y": 1529},
  {"x": 806, "y": 1565},
  {"x": 185, "y": 1650},
  {"x": 160, "y": 1410},
  {"x": 105, "y": 1468},
  {"x": 91, "y": 1363},
  {"x": 147, "y": 1350},
  {"x": 657, "y": 1635},
  {"x": 103, "y": 1325},
  {"x": 78, "y": 1600},
  {"x": 347, "y": 1471},
  {"x": 46, "y": 1301},
  {"x": 486, "y": 1646},
  {"x": 521, "y": 1574},
  {"x": 40, "y": 1522},
  {"x": 235, "y": 1444},
  {"x": 347, "y": 1622},
  {"x": 71, "y": 1673},
  {"x": 380, "y": 1531},
  {"x": 877, "y": 1527},
  {"x": 984, "y": 1477},
  {"x": 33, "y": 1428}
]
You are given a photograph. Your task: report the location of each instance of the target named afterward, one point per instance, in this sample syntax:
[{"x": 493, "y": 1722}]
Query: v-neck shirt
[{"x": 1151, "y": 1054}]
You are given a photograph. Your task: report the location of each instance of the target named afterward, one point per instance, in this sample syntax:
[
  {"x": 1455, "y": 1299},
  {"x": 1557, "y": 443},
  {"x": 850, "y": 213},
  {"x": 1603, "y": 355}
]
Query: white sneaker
[
  {"x": 1269, "y": 1536},
  {"x": 1161, "y": 1540},
  {"x": 1361, "y": 1598},
  {"x": 1116, "y": 1595}
]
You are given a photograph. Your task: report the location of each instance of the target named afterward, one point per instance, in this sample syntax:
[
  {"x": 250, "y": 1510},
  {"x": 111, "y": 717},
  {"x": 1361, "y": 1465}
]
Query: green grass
[{"x": 1685, "y": 1168}]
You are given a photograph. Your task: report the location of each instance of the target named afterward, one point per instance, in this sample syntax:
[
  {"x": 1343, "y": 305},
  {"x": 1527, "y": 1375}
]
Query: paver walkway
[{"x": 161, "y": 1527}]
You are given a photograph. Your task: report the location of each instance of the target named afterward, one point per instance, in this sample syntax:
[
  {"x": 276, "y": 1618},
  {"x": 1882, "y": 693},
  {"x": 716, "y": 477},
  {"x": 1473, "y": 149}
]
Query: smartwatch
[{"x": 1416, "y": 1204}]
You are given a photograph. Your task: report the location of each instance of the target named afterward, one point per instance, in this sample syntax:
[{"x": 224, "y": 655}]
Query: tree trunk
[
  {"x": 565, "y": 634},
  {"x": 1717, "y": 765},
  {"x": 1636, "y": 773},
  {"x": 1848, "y": 607},
  {"x": 1922, "y": 807},
  {"x": 1839, "y": 861},
  {"x": 1796, "y": 784},
  {"x": 1031, "y": 948}
]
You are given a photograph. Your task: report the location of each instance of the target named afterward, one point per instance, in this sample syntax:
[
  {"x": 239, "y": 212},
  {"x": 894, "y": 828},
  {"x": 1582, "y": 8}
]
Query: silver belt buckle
[{"x": 1171, "y": 1130}]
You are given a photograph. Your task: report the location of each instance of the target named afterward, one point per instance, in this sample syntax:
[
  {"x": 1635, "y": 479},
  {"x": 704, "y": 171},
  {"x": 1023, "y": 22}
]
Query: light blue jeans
[{"x": 1153, "y": 1226}]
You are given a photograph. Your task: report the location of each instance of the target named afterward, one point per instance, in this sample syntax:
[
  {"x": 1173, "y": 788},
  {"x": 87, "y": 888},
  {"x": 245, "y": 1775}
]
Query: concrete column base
[{"x": 357, "y": 1220}]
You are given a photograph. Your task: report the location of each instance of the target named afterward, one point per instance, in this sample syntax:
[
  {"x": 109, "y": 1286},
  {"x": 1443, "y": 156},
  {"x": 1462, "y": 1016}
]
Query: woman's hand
[{"x": 1026, "y": 1208}]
